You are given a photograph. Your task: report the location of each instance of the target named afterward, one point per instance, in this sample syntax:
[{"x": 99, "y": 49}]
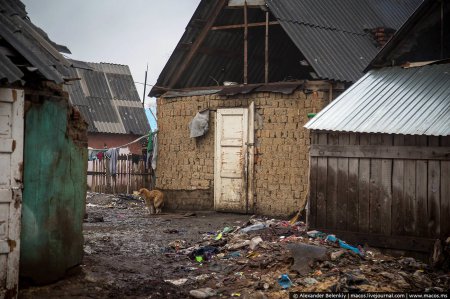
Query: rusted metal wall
[
  {"x": 387, "y": 190},
  {"x": 54, "y": 188}
]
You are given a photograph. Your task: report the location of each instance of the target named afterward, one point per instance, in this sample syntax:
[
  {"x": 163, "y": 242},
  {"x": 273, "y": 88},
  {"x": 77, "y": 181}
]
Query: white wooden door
[
  {"x": 11, "y": 165},
  {"x": 230, "y": 171}
]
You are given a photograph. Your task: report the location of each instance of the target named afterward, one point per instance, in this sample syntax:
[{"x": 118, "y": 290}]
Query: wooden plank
[
  {"x": 266, "y": 50},
  {"x": 391, "y": 242},
  {"x": 363, "y": 189},
  {"x": 342, "y": 185},
  {"x": 397, "y": 191},
  {"x": 445, "y": 199},
  {"x": 386, "y": 188},
  {"x": 421, "y": 192},
  {"x": 239, "y": 3},
  {"x": 245, "y": 43},
  {"x": 445, "y": 192},
  {"x": 434, "y": 174},
  {"x": 7, "y": 146},
  {"x": 5, "y": 195},
  {"x": 322, "y": 170},
  {"x": 197, "y": 42},
  {"x": 241, "y": 26},
  {"x": 332, "y": 207},
  {"x": 312, "y": 212},
  {"x": 409, "y": 191},
  {"x": 374, "y": 190},
  {"x": 353, "y": 199},
  {"x": 386, "y": 196},
  {"x": 382, "y": 152}
]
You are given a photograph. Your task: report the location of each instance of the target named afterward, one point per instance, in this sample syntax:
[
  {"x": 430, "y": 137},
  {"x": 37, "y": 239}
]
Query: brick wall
[
  {"x": 281, "y": 163},
  {"x": 98, "y": 140}
]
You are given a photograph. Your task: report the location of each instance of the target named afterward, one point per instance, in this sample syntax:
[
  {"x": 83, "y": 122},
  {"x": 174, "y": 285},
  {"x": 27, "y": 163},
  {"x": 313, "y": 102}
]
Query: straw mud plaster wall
[{"x": 185, "y": 169}]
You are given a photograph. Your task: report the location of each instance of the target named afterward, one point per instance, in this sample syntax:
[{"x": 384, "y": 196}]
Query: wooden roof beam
[
  {"x": 198, "y": 41},
  {"x": 240, "y": 26}
]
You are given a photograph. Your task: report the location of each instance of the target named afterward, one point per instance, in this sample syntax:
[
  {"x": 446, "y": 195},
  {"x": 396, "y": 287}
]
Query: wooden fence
[
  {"x": 130, "y": 176},
  {"x": 387, "y": 190}
]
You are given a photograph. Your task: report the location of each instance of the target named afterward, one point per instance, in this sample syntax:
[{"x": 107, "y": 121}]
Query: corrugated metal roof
[
  {"x": 333, "y": 34},
  {"x": 413, "y": 101},
  {"x": 107, "y": 98},
  {"x": 30, "y": 43}
]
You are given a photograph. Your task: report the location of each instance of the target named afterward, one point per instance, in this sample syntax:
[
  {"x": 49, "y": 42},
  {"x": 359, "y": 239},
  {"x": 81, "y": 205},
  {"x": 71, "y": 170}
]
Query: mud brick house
[
  {"x": 43, "y": 142},
  {"x": 380, "y": 153},
  {"x": 107, "y": 98},
  {"x": 288, "y": 58}
]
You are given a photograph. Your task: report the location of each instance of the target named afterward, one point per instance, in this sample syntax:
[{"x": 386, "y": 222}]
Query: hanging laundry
[
  {"x": 113, "y": 155},
  {"x": 100, "y": 155},
  {"x": 155, "y": 150}
]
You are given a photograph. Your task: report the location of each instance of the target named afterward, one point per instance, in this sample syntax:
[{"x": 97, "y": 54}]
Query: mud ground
[
  {"x": 126, "y": 251},
  {"x": 130, "y": 254}
]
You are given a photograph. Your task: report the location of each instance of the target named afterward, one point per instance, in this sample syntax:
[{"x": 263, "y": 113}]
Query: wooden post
[
  {"x": 245, "y": 44},
  {"x": 266, "y": 64},
  {"x": 108, "y": 176},
  {"x": 127, "y": 169}
]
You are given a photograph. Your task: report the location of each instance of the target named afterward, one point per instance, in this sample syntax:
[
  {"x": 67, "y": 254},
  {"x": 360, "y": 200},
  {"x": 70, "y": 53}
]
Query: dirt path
[{"x": 125, "y": 251}]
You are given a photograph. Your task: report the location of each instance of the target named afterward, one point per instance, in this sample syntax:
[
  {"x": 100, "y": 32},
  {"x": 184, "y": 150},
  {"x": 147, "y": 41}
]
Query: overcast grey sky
[{"x": 131, "y": 32}]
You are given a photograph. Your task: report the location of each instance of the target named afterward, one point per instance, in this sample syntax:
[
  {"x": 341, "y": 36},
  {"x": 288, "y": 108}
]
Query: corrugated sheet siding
[{"x": 394, "y": 100}]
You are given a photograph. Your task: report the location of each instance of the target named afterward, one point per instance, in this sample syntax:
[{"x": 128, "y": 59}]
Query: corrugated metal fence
[{"x": 130, "y": 176}]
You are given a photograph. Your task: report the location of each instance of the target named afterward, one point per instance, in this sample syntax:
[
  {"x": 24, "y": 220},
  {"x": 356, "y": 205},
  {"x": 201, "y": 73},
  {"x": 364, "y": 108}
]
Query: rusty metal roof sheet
[
  {"x": 107, "y": 98},
  {"x": 394, "y": 100},
  {"x": 30, "y": 43}
]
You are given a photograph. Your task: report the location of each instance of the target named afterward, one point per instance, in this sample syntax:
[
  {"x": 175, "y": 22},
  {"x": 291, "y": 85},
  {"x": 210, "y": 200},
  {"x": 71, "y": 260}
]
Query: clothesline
[{"x": 134, "y": 141}]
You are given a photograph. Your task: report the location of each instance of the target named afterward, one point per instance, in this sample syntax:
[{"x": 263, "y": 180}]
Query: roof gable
[
  {"x": 308, "y": 39},
  {"x": 424, "y": 37}
]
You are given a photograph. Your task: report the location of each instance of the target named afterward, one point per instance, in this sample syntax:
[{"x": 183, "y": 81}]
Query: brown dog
[{"x": 153, "y": 199}]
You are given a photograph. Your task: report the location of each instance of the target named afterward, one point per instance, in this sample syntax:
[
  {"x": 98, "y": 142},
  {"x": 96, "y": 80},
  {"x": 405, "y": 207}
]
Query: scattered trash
[
  {"x": 177, "y": 282},
  {"x": 254, "y": 227},
  {"x": 206, "y": 252},
  {"x": 178, "y": 244},
  {"x": 218, "y": 237},
  {"x": 199, "y": 258},
  {"x": 233, "y": 255},
  {"x": 310, "y": 281},
  {"x": 337, "y": 254},
  {"x": 203, "y": 293},
  {"x": 254, "y": 242},
  {"x": 284, "y": 281},
  {"x": 227, "y": 230},
  {"x": 304, "y": 254},
  {"x": 342, "y": 244},
  {"x": 202, "y": 277},
  {"x": 236, "y": 295}
]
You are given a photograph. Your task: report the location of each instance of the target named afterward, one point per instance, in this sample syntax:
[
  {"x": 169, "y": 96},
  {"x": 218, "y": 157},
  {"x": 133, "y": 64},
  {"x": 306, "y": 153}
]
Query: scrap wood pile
[{"x": 269, "y": 258}]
